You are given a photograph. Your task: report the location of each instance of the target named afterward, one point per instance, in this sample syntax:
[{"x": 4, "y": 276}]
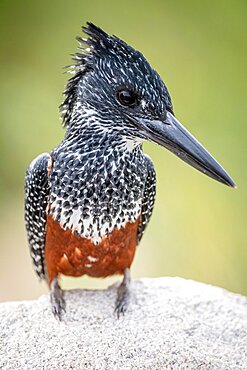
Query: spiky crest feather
[{"x": 98, "y": 44}]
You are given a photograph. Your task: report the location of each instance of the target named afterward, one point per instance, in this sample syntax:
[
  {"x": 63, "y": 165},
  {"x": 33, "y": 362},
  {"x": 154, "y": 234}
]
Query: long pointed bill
[{"x": 173, "y": 136}]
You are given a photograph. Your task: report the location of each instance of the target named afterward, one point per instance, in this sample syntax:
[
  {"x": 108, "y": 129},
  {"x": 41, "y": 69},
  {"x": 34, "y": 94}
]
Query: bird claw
[
  {"x": 123, "y": 295},
  {"x": 58, "y": 307},
  {"x": 121, "y": 305},
  {"x": 57, "y": 300}
]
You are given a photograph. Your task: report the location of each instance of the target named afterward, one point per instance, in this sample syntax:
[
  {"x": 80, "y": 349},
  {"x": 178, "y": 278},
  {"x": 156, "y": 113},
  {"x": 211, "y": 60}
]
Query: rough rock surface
[{"x": 171, "y": 324}]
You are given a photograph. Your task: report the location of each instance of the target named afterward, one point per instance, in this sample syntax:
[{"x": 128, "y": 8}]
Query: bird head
[{"x": 117, "y": 89}]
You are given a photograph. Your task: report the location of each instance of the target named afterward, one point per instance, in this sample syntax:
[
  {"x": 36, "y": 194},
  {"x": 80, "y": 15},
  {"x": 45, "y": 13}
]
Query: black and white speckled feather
[
  {"x": 37, "y": 192},
  {"x": 99, "y": 186},
  {"x": 148, "y": 197}
]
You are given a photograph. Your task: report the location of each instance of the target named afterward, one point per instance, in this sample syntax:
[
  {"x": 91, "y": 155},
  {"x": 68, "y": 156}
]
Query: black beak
[{"x": 173, "y": 136}]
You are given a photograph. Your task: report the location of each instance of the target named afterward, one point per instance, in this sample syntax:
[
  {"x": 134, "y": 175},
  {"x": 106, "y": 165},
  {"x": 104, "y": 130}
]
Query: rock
[{"x": 171, "y": 323}]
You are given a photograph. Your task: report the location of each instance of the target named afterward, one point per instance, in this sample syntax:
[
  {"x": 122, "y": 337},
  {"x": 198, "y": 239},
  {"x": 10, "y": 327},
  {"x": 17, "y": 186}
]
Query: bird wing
[
  {"x": 37, "y": 193},
  {"x": 148, "y": 198}
]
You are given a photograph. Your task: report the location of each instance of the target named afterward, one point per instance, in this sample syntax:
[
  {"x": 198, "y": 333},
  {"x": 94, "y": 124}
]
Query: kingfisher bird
[{"x": 88, "y": 201}]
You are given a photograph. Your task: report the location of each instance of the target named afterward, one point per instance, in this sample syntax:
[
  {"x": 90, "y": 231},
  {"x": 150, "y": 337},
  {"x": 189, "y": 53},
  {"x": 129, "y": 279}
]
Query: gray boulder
[{"x": 171, "y": 323}]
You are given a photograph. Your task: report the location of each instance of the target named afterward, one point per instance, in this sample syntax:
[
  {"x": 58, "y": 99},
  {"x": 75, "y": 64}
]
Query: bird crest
[
  {"x": 97, "y": 45},
  {"x": 93, "y": 51}
]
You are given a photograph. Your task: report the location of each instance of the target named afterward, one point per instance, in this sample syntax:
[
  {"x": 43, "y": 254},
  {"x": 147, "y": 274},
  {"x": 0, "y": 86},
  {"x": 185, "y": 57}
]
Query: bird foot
[
  {"x": 57, "y": 301},
  {"x": 123, "y": 294}
]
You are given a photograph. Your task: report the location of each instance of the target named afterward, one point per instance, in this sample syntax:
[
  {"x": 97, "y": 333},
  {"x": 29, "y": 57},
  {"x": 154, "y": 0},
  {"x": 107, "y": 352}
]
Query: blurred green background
[{"x": 198, "y": 229}]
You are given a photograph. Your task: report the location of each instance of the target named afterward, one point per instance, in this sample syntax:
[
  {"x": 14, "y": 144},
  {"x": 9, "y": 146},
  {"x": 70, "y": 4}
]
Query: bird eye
[{"x": 127, "y": 98}]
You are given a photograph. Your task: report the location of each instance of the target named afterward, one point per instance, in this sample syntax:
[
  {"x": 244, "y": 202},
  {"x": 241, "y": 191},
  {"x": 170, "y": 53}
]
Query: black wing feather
[
  {"x": 37, "y": 191},
  {"x": 148, "y": 198}
]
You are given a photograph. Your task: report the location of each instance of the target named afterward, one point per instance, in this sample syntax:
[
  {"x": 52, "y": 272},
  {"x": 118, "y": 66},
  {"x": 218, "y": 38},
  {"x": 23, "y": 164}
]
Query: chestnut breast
[{"x": 70, "y": 254}]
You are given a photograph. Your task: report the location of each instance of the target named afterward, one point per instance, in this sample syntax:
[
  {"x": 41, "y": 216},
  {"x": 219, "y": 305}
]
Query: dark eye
[{"x": 127, "y": 98}]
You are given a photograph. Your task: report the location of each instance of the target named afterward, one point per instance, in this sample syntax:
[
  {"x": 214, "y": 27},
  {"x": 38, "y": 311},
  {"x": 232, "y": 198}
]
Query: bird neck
[{"x": 91, "y": 133}]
